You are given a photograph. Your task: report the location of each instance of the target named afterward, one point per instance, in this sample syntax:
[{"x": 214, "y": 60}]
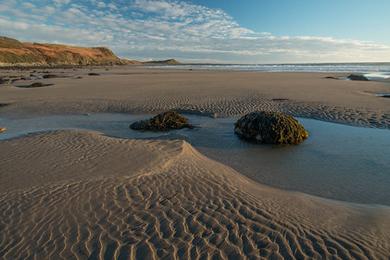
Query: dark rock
[
  {"x": 49, "y": 76},
  {"x": 383, "y": 95},
  {"x": 93, "y": 74},
  {"x": 331, "y": 77},
  {"x": 162, "y": 122},
  {"x": 270, "y": 128},
  {"x": 357, "y": 77},
  {"x": 280, "y": 99},
  {"x": 35, "y": 85}
]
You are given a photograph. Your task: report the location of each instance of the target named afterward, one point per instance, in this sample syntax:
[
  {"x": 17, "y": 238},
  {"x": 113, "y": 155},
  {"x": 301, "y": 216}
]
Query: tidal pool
[{"x": 337, "y": 161}]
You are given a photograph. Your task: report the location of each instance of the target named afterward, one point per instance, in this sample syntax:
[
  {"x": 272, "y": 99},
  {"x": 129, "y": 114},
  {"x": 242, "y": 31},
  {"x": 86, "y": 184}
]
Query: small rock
[
  {"x": 162, "y": 122},
  {"x": 49, "y": 76},
  {"x": 2, "y": 129},
  {"x": 280, "y": 99},
  {"x": 35, "y": 85},
  {"x": 331, "y": 77}
]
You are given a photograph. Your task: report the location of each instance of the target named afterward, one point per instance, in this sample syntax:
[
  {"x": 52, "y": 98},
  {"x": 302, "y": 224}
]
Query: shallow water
[
  {"x": 337, "y": 161},
  {"x": 381, "y": 70}
]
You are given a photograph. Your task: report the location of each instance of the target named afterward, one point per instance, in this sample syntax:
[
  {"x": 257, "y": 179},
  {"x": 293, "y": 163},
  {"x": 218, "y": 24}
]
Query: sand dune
[{"x": 76, "y": 194}]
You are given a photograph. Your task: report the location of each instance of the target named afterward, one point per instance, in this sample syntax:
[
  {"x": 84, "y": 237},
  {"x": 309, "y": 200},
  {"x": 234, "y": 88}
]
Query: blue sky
[
  {"x": 227, "y": 31},
  {"x": 356, "y": 19}
]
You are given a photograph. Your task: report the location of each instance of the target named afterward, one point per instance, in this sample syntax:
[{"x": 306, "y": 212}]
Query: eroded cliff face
[{"x": 16, "y": 53}]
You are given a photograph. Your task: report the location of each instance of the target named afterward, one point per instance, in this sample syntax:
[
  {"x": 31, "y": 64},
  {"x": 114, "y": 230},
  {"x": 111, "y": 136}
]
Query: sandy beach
[
  {"x": 74, "y": 193},
  {"x": 139, "y": 90}
]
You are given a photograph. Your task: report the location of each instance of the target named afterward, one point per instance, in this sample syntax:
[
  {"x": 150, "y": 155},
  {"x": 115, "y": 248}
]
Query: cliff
[{"x": 16, "y": 53}]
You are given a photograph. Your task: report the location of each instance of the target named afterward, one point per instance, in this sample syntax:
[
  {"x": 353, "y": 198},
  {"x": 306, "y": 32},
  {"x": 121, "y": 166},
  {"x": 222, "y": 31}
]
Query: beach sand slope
[{"x": 67, "y": 194}]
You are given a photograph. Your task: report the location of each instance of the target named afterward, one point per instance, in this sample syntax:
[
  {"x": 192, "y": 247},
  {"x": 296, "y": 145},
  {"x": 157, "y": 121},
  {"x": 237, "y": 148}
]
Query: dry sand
[{"x": 78, "y": 194}]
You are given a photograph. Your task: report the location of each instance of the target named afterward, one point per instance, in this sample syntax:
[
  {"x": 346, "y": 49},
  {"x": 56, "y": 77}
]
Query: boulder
[
  {"x": 2, "y": 129},
  {"x": 270, "y": 128},
  {"x": 357, "y": 77},
  {"x": 162, "y": 122}
]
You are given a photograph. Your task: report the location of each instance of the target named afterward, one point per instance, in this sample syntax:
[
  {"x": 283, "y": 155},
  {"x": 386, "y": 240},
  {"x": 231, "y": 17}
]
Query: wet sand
[
  {"x": 140, "y": 90},
  {"x": 79, "y": 194}
]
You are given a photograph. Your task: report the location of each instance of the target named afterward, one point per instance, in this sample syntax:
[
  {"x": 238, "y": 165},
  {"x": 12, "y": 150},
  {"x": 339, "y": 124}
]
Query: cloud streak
[{"x": 145, "y": 29}]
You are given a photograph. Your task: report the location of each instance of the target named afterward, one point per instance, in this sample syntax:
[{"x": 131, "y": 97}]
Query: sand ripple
[
  {"x": 215, "y": 106},
  {"x": 85, "y": 196}
]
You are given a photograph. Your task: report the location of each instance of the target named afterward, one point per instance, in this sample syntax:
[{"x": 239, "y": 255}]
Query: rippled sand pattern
[
  {"x": 131, "y": 89},
  {"x": 216, "y": 107},
  {"x": 82, "y": 195}
]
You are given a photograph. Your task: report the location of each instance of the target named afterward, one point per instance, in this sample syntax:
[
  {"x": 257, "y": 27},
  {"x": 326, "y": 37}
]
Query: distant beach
[{"x": 375, "y": 71}]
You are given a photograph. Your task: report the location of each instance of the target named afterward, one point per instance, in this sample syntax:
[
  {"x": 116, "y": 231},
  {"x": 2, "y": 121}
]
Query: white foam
[{"x": 377, "y": 76}]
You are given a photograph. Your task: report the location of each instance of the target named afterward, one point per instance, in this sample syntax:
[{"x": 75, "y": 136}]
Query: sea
[{"x": 373, "y": 71}]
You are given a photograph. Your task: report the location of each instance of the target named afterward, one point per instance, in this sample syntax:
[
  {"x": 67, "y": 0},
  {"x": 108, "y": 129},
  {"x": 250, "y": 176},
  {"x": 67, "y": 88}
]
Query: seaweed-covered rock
[
  {"x": 357, "y": 77},
  {"x": 270, "y": 128},
  {"x": 2, "y": 129},
  {"x": 162, "y": 122}
]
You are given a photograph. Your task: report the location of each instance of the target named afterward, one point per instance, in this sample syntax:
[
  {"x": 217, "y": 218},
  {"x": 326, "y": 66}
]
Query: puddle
[{"x": 337, "y": 161}]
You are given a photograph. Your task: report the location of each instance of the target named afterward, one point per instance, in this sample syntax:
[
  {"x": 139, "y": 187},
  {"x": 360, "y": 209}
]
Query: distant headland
[{"x": 16, "y": 53}]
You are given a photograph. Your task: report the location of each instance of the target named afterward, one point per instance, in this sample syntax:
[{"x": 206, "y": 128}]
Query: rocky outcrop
[
  {"x": 163, "y": 62},
  {"x": 270, "y": 128},
  {"x": 162, "y": 122},
  {"x": 15, "y": 53},
  {"x": 357, "y": 77}
]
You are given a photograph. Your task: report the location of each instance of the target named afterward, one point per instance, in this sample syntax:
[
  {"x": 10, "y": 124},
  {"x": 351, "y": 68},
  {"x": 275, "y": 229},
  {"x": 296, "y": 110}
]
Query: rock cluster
[
  {"x": 270, "y": 128},
  {"x": 162, "y": 122}
]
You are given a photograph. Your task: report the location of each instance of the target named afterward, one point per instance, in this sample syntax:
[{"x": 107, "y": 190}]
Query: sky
[{"x": 215, "y": 31}]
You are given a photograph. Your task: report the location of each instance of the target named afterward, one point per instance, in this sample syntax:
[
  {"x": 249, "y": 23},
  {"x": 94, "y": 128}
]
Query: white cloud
[
  {"x": 28, "y": 5},
  {"x": 164, "y": 29},
  {"x": 61, "y": 2}
]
